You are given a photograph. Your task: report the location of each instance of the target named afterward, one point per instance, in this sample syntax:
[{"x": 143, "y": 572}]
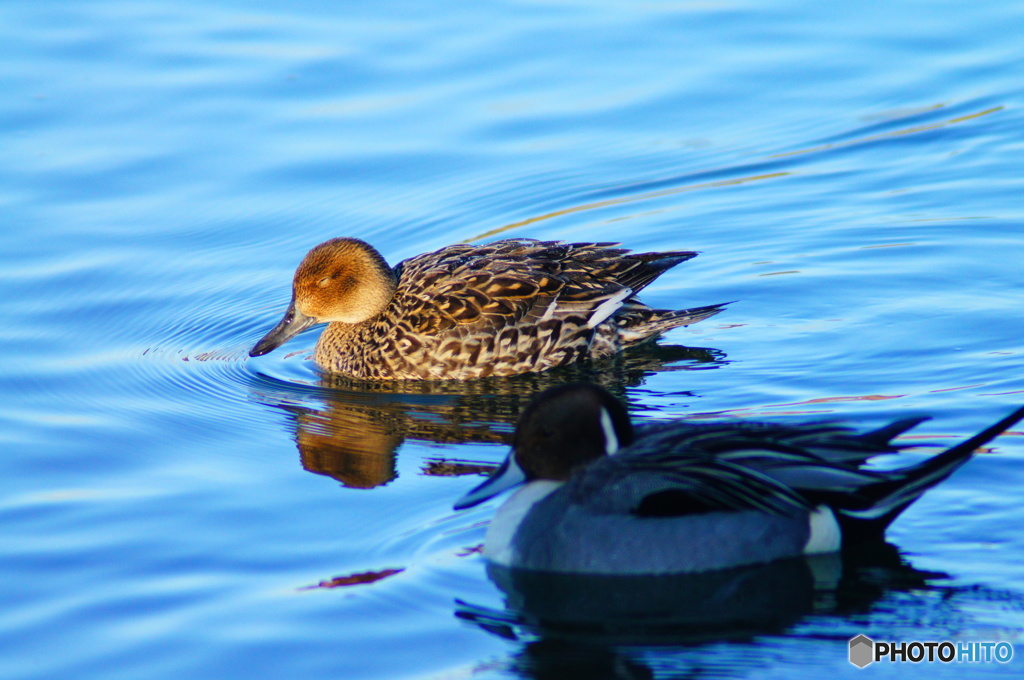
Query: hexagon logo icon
[{"x": 862, "y": 651}]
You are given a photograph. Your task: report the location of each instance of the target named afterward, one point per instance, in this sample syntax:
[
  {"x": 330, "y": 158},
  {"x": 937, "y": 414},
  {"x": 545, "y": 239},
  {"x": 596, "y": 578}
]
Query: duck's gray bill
[
  {"x": 293, "y": 323},
  {"x": 505, "y": 477}
]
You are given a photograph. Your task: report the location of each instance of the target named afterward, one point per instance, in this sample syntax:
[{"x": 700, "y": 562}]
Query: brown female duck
[{"x": 470, "y": 311}]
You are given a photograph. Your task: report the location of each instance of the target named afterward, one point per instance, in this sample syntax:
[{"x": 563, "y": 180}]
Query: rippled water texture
[{"x": 850, "y": 172}]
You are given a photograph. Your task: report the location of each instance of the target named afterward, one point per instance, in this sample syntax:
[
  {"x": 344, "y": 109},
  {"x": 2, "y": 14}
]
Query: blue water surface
[{"x": 850, "y": 172}]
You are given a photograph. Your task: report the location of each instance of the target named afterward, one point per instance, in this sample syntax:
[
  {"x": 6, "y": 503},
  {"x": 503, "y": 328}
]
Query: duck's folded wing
[
  {"x": 825, "y": 441},
  {"x": 737, "y": 466},
  {"x": 808, "y": 458},
  {"x": 532, "y": 285},
  {"x": 669, "y": 484}
]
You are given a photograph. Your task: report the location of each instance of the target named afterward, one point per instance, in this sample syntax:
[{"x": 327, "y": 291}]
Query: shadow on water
[
  {"x": 351, "y": 429},
  {"x": 598, "y": 626}
]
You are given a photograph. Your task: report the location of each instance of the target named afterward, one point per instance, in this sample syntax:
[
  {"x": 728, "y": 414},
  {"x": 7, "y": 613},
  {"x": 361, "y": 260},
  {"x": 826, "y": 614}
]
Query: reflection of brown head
[{"x": 349, "y": 446}]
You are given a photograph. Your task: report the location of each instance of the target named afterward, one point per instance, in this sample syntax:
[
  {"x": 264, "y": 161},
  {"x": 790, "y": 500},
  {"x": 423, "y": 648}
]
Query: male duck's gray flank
[
  {"x": 680, "y": 497},
  {"x": 471, "y": 311}
]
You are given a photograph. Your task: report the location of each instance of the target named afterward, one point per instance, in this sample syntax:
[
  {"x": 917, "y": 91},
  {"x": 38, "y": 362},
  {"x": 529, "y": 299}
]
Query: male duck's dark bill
[
  {"x": 293, "y": 323},
  {"x": 505, "y": 477}
]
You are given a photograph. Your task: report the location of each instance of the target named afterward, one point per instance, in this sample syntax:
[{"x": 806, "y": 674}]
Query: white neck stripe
[{"x": 611, "y": 442}]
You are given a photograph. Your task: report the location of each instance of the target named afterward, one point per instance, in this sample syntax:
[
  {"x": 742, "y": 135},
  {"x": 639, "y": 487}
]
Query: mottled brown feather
[{"x": 503, "y": 308}]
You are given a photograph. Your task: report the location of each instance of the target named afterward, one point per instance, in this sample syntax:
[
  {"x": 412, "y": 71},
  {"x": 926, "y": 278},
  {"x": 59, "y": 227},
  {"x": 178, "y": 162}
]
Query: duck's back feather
[{"x": 504, "y": 308}]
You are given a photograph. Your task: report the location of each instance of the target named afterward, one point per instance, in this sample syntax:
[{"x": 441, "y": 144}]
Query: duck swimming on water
[
  {"x": 598, "y": 496},
  {"x": 471, "y": 311}
]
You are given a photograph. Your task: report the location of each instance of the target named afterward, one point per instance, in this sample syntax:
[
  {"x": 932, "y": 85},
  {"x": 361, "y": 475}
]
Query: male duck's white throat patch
[{"x": 506, "y": 521}]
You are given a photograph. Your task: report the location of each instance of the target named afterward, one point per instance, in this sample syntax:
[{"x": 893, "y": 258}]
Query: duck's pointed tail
[
  {"x": 885, "y": 500},
  {"x": 643, "y": 323},
  {"x": 643, "y": 268}
]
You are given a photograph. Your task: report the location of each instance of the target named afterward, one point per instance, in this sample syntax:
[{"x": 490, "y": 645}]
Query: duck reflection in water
[
  {"x": 710, "y": 624},
  {"x": 351, "y": 429}
]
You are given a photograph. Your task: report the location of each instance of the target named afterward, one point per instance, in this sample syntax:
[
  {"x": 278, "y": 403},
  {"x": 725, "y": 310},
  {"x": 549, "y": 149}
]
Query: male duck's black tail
[{"x": 883, "y": 501}]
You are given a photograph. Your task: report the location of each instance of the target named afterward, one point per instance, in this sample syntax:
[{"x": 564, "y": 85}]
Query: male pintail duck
[
  {"x": 467, "y": 311},
  {"x": 680, "y": 497}
]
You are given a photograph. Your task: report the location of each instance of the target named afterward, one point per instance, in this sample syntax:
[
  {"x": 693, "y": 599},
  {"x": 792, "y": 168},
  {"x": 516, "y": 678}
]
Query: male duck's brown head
[{"x": 343, "y": 280}]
